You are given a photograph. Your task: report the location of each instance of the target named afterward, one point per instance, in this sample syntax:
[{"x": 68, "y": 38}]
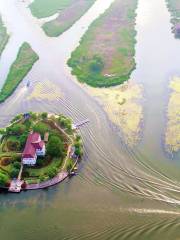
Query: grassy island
[
  {"x": 61, "y": 145},
  {"x": 174, "y": 8},
  {"x": 69, "y": 11},
  {"x": 105, "y": 56},
  {"x": 4, "y": 37},
  {"x": 22, "y": 65}
]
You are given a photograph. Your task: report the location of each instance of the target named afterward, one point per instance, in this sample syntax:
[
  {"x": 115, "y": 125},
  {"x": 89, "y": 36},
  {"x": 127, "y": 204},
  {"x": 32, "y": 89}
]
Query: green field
[
  {"x": 105, "y": 56},
  {"x": 4, "y": 37},
  {"x": 22, "y": 65},
  {"x": 69, "y": 12}
]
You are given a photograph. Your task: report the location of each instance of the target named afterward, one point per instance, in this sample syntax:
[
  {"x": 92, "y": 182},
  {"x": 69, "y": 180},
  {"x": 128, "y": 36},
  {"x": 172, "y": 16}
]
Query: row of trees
[{"x": 65, "y": 122}]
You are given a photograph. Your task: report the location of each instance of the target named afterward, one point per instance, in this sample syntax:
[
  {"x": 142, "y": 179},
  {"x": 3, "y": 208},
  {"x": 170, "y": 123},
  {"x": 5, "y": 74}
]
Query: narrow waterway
[{"x": 120, "y": 193}]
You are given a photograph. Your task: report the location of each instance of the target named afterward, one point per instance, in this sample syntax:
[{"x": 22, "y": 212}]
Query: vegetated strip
[
  {"x": 4, "y": 37},
  {"x": 22, "y": 65},
  {"x": 69, "y": 12},
  {"x": 105, "y": 56},
  {"x": 174, "y": 8}
]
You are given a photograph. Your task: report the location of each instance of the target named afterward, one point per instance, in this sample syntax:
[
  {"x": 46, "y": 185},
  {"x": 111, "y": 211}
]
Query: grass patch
[
  {"x": 111, "y": 61},
  {"x": 42, "y": 9},
  {"x": 4, "y": 37},
  {"x": 69, "y": 12},
  {"x": 22, "y": 65}
]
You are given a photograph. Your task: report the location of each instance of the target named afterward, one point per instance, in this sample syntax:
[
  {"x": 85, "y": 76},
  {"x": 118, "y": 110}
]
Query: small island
[{"x": 38, "y": 150}]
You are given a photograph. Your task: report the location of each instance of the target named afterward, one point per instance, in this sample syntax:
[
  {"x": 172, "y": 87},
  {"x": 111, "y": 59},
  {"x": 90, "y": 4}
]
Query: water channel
[{"x": 120, "y": 192}]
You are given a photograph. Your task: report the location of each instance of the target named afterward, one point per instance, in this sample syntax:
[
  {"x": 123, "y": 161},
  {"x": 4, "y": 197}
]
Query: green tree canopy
[
  {"x": 14, "y": 172},
  {"x": 16, "y": 129},
  {"x": 3, "y": 179},
  {"x": 41, "y": 128},
  {"x": 55, "y": 147},
  {"x": 44, "y": 115}
]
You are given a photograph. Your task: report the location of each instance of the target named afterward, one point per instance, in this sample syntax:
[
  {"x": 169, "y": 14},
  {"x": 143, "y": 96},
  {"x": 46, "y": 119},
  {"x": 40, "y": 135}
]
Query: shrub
[
  {"x": 44, "y": 115},
  {"x": 22, "y": 140},
  {"x": 14, "y": 172},
  {"x": 41, "y": 128},
  {"x": 3, "y": 179},
  {"x": 25, "y": 173},
  {"x": 42, "y": 178},
  {"x": 52, "y": 172},
  {"x": 16, "y": 158},
  {"x": 16, "y": 129},
  {"x": 40, "y": 162},
  {"x": 79, "y": 152},
  {"x": 17, "y": 165}
]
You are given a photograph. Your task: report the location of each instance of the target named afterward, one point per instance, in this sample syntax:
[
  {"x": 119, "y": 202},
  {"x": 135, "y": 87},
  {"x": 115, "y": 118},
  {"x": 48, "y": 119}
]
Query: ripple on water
[{"x": 123, "y": 107}]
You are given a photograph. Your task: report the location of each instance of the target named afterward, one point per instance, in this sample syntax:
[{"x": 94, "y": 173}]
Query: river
[{"x": 120, "y": 192}]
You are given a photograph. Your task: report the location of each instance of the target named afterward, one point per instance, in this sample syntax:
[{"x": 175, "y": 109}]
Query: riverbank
[
  {"x": 19, "y": 69},
  {"x": 69, "y": 11},
  {"x": 111, "y": 61},
  {"x": 174, "y": 8},
  {"x": 4, "y": 36}
]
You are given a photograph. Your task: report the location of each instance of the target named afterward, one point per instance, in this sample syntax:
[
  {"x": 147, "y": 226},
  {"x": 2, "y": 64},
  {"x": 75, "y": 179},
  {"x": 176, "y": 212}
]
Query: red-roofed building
[{"x": 34, "y": 147}]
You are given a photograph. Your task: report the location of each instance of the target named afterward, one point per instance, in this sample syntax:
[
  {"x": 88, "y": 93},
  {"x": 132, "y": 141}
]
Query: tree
[
  {"x": 44, "y": 115},
  {"x": 22, "y": 139},
  {"x": 17, "y": 165},
  {"x": 14, "y": 172},
  {"x": 41, "y": 128},
  {"x": 16, "y": 129},
  {"x": 55, "y": 147},
  {"x": 78, "y": 152},
  {"x": 3, "y": 179}
]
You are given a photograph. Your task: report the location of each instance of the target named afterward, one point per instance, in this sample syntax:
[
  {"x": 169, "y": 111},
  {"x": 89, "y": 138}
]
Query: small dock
[{"x": 15, "y": 186}]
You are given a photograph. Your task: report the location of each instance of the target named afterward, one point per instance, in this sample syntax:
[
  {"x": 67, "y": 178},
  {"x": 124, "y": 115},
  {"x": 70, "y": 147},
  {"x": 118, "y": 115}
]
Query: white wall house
[{"x": 34, "y": 147}]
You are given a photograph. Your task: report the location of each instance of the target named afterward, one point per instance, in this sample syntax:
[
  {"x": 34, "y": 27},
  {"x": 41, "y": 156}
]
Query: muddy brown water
[{"x": 119, "y": 193}]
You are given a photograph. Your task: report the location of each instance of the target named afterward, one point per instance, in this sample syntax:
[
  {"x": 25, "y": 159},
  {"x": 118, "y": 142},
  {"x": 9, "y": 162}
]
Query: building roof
[{"x": 33, "y": 142}]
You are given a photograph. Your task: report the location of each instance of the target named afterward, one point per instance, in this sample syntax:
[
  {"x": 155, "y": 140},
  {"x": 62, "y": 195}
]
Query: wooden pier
[{"x": 77, "y": 125}]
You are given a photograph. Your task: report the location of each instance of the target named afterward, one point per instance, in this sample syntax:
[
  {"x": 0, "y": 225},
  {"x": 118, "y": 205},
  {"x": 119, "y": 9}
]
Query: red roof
[{"x": 33, "y": 142}]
